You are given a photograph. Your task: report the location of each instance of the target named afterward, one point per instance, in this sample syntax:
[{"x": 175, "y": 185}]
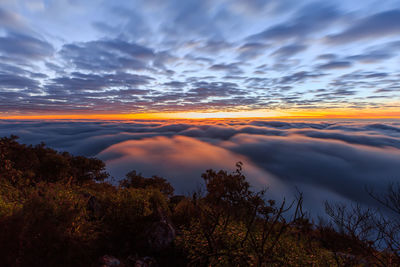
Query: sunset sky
[{"x": 199, "y": 59}]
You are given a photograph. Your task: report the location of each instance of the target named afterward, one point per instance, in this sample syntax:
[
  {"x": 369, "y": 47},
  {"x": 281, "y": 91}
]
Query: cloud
[
  {"x": 329, "y": 164},
  {"x": 107, "y": 55},
  {"x": 81, "y": 81},
  {"x": 336, "y": 65},
  {"x": 302, "y": 25},
  {"x": 372, "y": 56},
  {"x": 175, "y": 84},
  {"x": 182, "y": 159},
  {"x": 220, "y": 89},
  {"x": 375, "y": 26},
  {"x": 169, "y": 56},
  {"x": 254, "y": 7},
  {"x": 10, "y": 20},
  {"x": 21, "y": 45},
  {"x": 147, "y": 56},
  {"x": 328, "y": 56},
  {"x": 10, "y": 81},
  {"x": 289, "y": 50},
  {"x": 231, "y": 68},
  {"x": 377, "y": 53},
  {"x": 332, "y": 160},
  {"x": 372, "y": 140},
  {"x": 123, "y": 21},
  {"x": 212, "y": 46},
  {"x": 363, "y": 75},
  {"x": 190, "y": 18},
  {"x": 299, "y": 77},
  {"x": 19, "y": 42},
  {"x": 251, "y": 50}
]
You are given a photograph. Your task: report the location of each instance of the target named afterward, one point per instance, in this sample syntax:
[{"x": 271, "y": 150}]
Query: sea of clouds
[{"x": 326, "y": 160}]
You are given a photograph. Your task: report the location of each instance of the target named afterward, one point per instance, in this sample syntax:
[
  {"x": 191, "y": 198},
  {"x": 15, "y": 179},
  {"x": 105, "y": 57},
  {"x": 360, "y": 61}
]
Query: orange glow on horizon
[{"x": 312, "y": 114}]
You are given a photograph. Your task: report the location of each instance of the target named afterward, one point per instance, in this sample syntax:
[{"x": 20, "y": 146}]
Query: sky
[{"x": 199, "y": 58}]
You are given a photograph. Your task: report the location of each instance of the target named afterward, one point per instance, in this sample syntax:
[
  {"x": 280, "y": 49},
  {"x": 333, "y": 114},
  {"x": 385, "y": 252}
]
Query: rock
[
  {"x": 162, "y": 233},
  {"x": 109, "y": 261},
  {"x": 142, "y": 262}
]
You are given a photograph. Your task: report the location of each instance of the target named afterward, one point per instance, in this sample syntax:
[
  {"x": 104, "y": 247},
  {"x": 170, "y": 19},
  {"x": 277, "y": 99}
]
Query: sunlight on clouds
[
  {"x": 182, "y": 159},
  {"x": 273, "y": 114},
  {"x": 216, "y": 115},
  {"x": 198, "y": 59}
]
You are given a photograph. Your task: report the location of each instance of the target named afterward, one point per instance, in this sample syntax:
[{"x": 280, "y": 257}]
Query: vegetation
[{"x": 58, "y": 210}]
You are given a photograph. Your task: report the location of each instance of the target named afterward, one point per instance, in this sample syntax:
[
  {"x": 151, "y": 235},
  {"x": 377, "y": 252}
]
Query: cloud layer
[{"x": 327, "y": 160}]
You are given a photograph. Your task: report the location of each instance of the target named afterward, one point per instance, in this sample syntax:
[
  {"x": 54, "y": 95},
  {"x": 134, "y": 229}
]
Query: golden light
[{"x": 265, "y": 114}]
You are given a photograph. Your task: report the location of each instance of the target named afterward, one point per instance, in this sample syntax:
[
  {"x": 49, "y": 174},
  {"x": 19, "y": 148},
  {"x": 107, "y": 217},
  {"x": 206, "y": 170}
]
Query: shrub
[
  {"x": 50, "y": 228},
  {"x": 134, "y": 180},
  {"x": 32, "y": 164},
  {"x": 55, "y": 210}
]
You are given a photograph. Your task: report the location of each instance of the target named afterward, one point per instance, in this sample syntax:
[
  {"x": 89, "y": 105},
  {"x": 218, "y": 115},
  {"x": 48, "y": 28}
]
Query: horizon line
[{"x": 209, "y": 115}]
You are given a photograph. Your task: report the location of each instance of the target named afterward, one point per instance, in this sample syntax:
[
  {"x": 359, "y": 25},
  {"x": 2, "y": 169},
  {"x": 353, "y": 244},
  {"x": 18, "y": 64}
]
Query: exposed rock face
[
  {"x": 162, "y": 233},
  {"x": 109, "y": 261}
]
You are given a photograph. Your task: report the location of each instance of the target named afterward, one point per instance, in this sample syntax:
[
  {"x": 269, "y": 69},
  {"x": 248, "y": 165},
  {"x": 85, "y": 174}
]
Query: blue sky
[{"x": 82, "y": 57}]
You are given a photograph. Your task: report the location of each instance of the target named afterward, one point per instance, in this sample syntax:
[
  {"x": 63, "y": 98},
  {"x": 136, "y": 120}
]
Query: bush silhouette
[{"x": 57, "y": 209}]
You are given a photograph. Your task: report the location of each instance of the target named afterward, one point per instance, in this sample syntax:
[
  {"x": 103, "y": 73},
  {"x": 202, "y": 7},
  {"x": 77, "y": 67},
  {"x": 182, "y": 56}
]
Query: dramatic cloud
[
  {"x": 182, "y": 158},
  {"x": 329, "y": 160},
  {"x": 142, "y": 56}
]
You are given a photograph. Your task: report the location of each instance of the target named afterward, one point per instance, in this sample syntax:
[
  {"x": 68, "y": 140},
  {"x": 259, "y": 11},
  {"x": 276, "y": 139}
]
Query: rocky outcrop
[
  {"x": 162, "y": 233},
  {"x": 109, "y": 261},
  {"x": 142, "y": 262},
  {"x": 132, "y": 261}
]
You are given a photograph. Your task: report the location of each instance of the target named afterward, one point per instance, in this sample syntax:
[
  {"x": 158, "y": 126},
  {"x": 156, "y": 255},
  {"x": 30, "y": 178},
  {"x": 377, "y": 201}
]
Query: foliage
[
  {"x": 22, "y": 164},
  {"x": 57, "y": 210},
  {"x": 134, "y": 180},
  {"x": 370, "y": 234},
  {"x": 49, "y": 228},
  {"x": 234, "y": 226}
]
